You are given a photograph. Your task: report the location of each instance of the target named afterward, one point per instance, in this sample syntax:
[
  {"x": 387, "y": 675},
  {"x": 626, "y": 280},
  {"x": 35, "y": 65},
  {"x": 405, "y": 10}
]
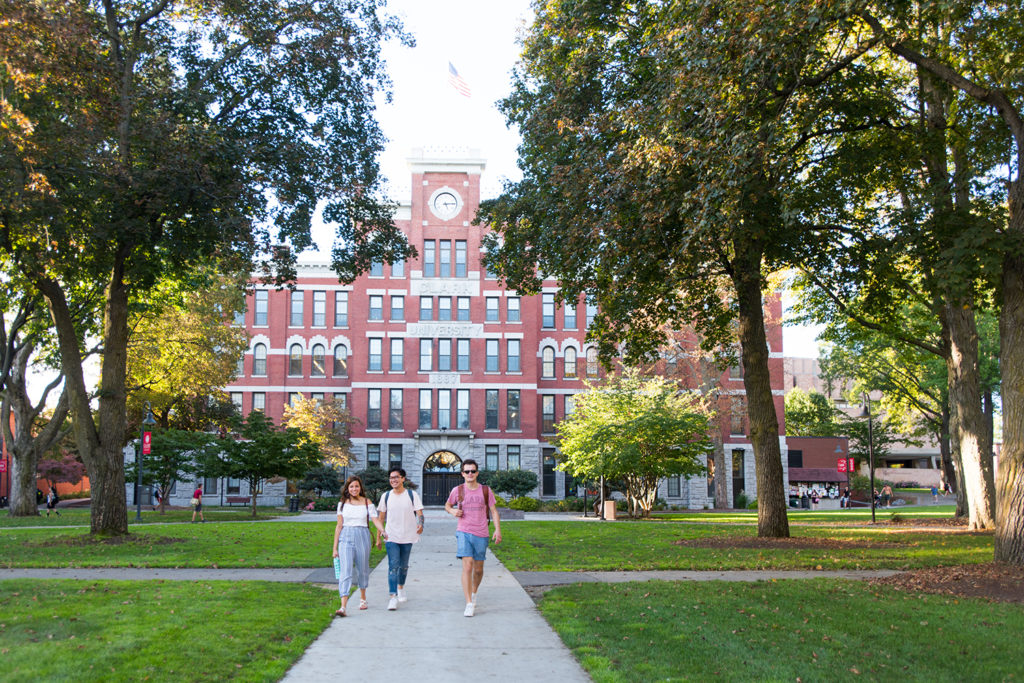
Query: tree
[
  {"x": 323, "y": 478},
  {"x": 326, "y": 425},
  {"x": 375, "y": 481},
  {"x": 173, "y": 457},
  {"x": 809, "y": 413},
  {"x": 182, "y": 349},
  {"x": 262, "y": 451},
  {"x": 516, "y": 483},
  {"x": 637, "y": 429},
  {"x": 68, "y": 469},
  {"x": 665, "y": 149},
  {"x": 141, "y": 140}
]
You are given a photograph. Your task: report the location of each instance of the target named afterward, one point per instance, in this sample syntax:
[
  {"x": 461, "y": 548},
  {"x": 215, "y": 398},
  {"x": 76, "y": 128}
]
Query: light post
[
  {"x": 866, "y": 412},
  {"x": 147, "y": 421}
]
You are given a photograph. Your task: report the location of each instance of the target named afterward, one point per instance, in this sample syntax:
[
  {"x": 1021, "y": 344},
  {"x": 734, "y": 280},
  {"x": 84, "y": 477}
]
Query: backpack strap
[
  {"x": 387, "y": 494},
  {"x": 487, "y": 504},
  {"x": 412, "y": 501}
]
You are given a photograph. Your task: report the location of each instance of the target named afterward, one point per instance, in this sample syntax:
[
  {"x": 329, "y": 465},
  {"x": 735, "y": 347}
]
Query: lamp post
[
  {"x": 147, "y": 421},
  {"x": 866, "y": 412}
]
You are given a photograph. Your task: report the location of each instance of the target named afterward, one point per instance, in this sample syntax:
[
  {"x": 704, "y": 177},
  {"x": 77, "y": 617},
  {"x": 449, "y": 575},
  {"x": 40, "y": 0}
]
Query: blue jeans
[{"x": 398, "y": 564}]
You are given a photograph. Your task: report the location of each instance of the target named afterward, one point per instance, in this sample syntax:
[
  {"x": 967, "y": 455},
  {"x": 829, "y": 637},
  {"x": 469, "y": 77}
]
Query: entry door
[
  {"x": 549, "y": 472},
  {"x": 437, "y": 486},
  {"x": 738, "y": 482}
]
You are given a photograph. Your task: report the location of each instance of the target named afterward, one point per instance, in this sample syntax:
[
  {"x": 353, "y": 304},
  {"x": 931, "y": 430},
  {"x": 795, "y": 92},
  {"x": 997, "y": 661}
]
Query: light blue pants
[{"x": 354, "y": 552}]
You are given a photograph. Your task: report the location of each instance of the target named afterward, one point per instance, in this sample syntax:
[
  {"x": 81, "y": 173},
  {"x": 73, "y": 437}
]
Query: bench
[{"x": 239, "y": 500}]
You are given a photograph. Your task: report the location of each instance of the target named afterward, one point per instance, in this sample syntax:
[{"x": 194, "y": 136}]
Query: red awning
[{"x": 815, "y": 475}]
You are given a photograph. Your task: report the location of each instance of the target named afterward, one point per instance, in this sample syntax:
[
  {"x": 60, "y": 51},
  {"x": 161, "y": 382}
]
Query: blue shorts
[{"x": 471, "y": 546}]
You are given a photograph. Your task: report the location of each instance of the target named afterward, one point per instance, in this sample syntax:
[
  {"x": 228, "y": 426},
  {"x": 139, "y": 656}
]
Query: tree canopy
[{"x": 809, "y": 413}]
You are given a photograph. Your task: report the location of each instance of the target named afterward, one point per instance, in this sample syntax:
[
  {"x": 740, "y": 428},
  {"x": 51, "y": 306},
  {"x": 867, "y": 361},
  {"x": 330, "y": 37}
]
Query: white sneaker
[
  {"x": 472, "y": 598},
  {"x": 470, "y": 608},
  {"x": 393, "y": 603},
  {"x": 401, "y": 595}
]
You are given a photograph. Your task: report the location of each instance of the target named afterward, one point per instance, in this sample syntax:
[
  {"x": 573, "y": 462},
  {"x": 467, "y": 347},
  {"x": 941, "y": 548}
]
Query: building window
[
  {"x": 373, "y": 454},
  {"x": 394, "y": 455},
  {"x": 570, "y": 315},
  {"x": 444, "y": 355},
  {"x": 395, "y": 420},
  {"x": 426, "y": 418},
  {"x": 259, "y": 401},
  {"x": 512, "y": 409},
  {"x": 236, "y": 401},
  {"x": 570, "y": 404},
  {"x": 376, "y": 363},
  {"x": 547, "y": 310},
  {"x": 796, "y": 458},
  {"x": 512, "y": 304},
  {"x": 428, "y": 258},
  {"x": 373, "y": 409},
  {"x": 341, "y": 400},
  {"x": 736, "y": 370},
  {"x": 376, "y": 307},
  {"x": 512, "y": 455},
  {"x": 591, "y": 312},
  {"x": 444, "y": 308},
  {"x": 293, "y": 398},
  {"x": 260, "y": 314},
  {"x": 736, "y": 411},
  {"x": 295, "y": 361},
  {"x": 462, "y": 409},
  {"x": 673, "y": 487},
  {"x": 460, "y": 258},
  {"x": 463, "y": 355},
  {"x": 492, "y": 309},
  {"x": 340, "y": 361},
  {"x": 397, "y": 308},
  {"x": 240, "y": 365},
  {"x": 239, "y": 318},
  {"x": 591, "y": 362},
  {"x": 319, "y": 367},
  {"x": 317, "y": 396},
  {"x": 259, "y": 360},
  {"x": 341, "y": 309},
  {"x": 570, "y": 362},
  {"x": 491, "y": 457},
  {"x": 319, "y": 309},
  {"x": 426, "y": 308},
  {"x": 295, "y": 320},
  {"x": 547, "y": 414},
  {"x": 444, "y": 408},
  {"x": 426, "y": 355},
  {"x": 492, "y": 356},
  {"x": 513, "y": 356},
  {"x": 491, "y": 409},
  {"x": 548, "y": 363},
  {"x": 463, "y": 308},
  {"x": 397, "y": 348},
  {"x": 444, "y": 249},
  {"x": 376, "y": 269},
  {"x": 398, "y": 269}
]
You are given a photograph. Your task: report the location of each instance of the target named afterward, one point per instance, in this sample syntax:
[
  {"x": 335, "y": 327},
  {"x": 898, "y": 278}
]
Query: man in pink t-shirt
[{"x": 471, "y": 533}]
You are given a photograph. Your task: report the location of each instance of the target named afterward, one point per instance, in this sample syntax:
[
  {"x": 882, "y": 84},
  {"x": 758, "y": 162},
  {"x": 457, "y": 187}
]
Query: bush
[
  {"x": 660, "y": 504},
  {"x": 500, "y": 502},
  {"x": 741, "y": 501},
  {"x": 72, "y": 495},
  {"x": 516, "y": 483},
  {"x": 524, "y": 504},
  {"x": 574, "y": 504},
  {"x": 328, "y": 504},
  {"x": 752, "y": 505},
  {"x": 909, "y": 485}
]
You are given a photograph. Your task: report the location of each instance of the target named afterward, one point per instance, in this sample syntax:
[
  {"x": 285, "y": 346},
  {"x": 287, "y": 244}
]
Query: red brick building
[{"x": 437, "y": 360}]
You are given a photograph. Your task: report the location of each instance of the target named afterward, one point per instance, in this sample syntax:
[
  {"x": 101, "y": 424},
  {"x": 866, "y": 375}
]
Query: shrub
[
  {"x": 573, "y": 504},
  {"x": 741, "y": 500},
  {"x": 752, "y": 505},
  {"x": 516, "y": 483},
  {"x": 328, "y": 504},
  {"x": 500, "y": 502},
  {"x": 524, "y": 504},
  {"x": 660, "y": 504}
]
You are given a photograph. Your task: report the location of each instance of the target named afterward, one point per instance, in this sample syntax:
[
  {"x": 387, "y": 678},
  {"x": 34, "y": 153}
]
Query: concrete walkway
[{"x": 507, "y": 640}]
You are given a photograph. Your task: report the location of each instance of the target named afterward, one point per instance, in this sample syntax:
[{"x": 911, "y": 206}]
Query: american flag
[{"x": 457, "y": 81}]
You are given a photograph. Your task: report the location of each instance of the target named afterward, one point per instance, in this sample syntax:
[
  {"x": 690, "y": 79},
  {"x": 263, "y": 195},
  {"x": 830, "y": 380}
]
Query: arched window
[
  {"x": 340, "y": 361},
  {"x": 319, "y": 366},
  {"x": 570, "y": 362},
  {"x": 591, "y": 362},
  {"x": 548, "y": 363},
  {"x": 259, "y": 360},
  {"x": 295, "y": 361}
]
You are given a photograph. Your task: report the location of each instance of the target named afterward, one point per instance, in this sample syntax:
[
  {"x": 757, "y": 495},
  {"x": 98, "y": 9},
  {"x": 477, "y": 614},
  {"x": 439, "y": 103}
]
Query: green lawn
[
  {"x": 60, "y": 630},
  {"x": 815, "y": 630},
  {"x": 237, "y": 544},
  {"x": 610, "y": 546},
  {"x": 858, "y": 515},
  {"x": 80, "y": 516}
]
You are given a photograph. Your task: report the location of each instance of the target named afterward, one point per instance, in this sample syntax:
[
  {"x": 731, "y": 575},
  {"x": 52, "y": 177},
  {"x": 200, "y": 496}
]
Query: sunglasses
[{"x": 469, "y": 471}]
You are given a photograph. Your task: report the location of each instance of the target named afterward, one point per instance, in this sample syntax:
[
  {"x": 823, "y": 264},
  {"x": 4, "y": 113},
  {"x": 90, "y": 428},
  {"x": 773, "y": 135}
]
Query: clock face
[{"x": 445, "y": 204}]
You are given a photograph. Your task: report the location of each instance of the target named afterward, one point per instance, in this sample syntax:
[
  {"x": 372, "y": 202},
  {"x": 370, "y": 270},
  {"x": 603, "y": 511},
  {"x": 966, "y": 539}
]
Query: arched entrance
[{"x": 442, "y": 471}]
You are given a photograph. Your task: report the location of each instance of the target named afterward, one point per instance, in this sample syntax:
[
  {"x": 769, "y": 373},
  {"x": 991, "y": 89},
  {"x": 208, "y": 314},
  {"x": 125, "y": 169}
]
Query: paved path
[{"x": 507, "y": 640}]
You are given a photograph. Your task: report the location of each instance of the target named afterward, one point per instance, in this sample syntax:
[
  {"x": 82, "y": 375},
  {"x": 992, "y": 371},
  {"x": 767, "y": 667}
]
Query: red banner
[
  {"x": 147, "y": 441},
  {"x": 844, "y": 465}
]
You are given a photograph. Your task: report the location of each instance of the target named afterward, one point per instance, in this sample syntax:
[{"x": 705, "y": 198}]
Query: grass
[
  {"x": 816, "y": 630},
  {"x": 60, "y": 630},
  {"x": 858, "y": 515},
  {"x": 612, "y": 546},
  {"x": 80, "y": 516},
  {"x": 274, "y": 544}
]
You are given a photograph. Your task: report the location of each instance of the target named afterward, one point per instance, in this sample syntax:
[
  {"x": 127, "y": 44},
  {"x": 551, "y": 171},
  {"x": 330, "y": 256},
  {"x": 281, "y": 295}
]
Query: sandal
[
  {"x": 362, "y": 604},
  {"x": 339, "y": 612}
]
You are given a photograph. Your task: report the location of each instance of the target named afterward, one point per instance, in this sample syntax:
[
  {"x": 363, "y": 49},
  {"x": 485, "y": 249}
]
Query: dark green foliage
[
  {"x": 324, "y": 478},
  {"x": 375, "y": 481},
  {"x": 809, "y": 413},
  {"x": 516, "y": 483}
]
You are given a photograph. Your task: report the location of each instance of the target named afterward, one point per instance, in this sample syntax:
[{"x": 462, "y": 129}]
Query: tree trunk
[
  {"x": 23, "y": 485},
  {"x": 1009, "y": 540},
  {"x": 965, "y": 397},
  {"x": 721, "y": 480},
  {"x": 772, "y": 519},
  {"x": 945, "y": 453}
]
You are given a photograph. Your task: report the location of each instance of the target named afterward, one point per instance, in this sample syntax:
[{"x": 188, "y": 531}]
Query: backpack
[
  {"x": 411, "y": 499},
  {"x": 487, "y": 503}
]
